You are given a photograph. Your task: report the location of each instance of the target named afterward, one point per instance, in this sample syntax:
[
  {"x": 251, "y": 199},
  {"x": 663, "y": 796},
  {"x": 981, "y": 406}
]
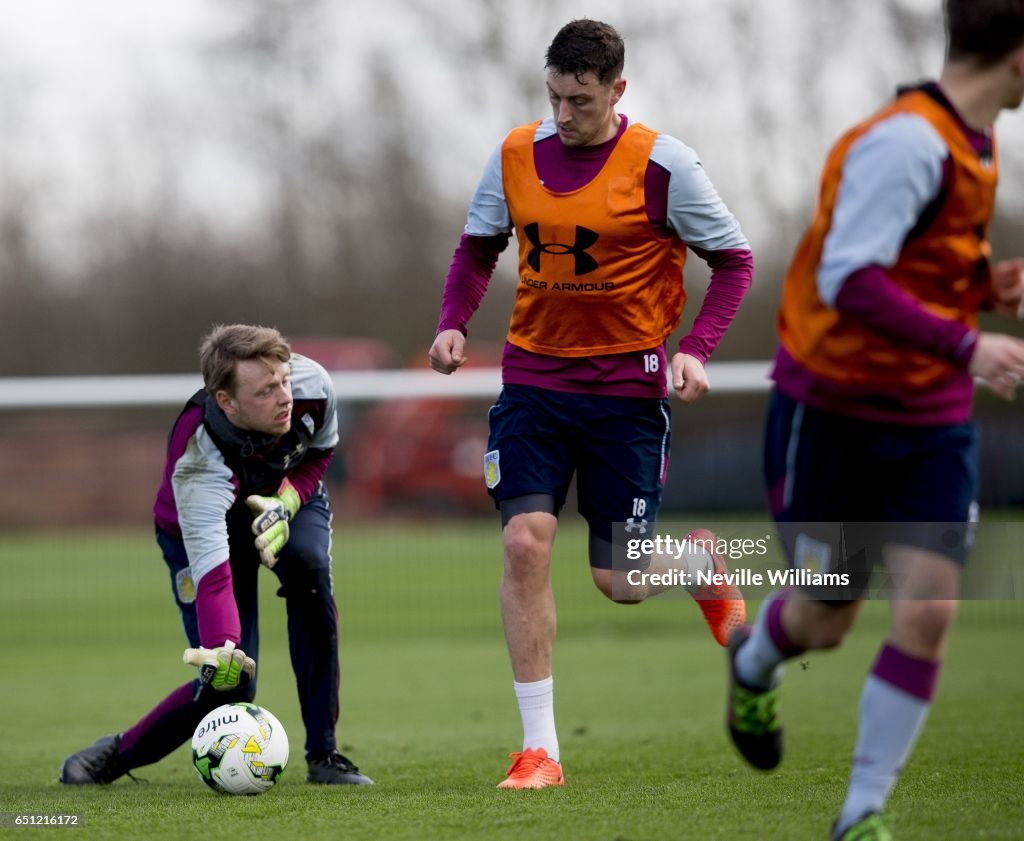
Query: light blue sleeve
[
  {"x": 695, "y": 211},
  {"x": 204, "y": 490},
  {"x": 327, "y": 437},
  {"x": 488, "y": 211},
  {"x": 889, "y": 177},
  {"x": 311, "y": 382}
]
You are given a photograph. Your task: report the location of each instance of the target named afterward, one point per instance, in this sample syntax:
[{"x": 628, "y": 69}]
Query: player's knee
[
  {"x": 526, "y": 555},
  {"x": 307, "y": 587},
  {"x": 605, "y": 581},
  {"x": 307, "y": 555},
  {"x": 304, "y": 569},
  {"x": 830, "y": 625},
  {"x": 828, "y": 636},
  {"x": 925, "y": 623}
]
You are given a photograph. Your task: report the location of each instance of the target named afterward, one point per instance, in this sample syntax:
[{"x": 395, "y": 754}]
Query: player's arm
[
  {"x": 1008, "y": 288},
  {"x": 890, "y": 178},
  {"x": 731, "y": 275},
  {"x": 468, "y": 277},
  {"x": 698, "y": 216},
  {"x": 204, "y": 491},
  {"x": 306, "y": 477},
  {"x": 222, "y": 664},
  {"x": 487, "y": 233},
  {"x": 272, "y": 514}
]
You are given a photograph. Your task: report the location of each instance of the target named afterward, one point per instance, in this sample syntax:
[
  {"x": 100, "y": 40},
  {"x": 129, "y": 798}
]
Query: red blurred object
[
  {"x": 419, "y": 457},
  {"x": 346, "y": 354}
]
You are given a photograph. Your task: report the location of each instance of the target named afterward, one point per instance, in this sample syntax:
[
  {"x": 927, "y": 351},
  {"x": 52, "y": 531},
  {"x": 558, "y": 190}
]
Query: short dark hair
[
  {"x": 227, "y": 344},
  {"x": 584, "y": 46},
  {"x": 985, "y": 31}
]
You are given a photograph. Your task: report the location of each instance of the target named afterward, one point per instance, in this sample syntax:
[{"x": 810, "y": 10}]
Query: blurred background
[{"x": 308, "y": 164}]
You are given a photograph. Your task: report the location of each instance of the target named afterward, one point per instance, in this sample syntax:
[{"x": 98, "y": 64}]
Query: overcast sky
[{"x": 88, "y": 84}]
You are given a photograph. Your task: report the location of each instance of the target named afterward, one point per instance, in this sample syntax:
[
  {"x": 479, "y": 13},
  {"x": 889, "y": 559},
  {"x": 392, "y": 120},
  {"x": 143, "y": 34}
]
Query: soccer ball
[{"x": 240, "y": 749}]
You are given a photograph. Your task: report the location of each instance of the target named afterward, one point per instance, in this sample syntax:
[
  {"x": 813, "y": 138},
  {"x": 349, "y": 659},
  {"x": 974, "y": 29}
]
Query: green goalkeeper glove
[
  {"x": 222, "y": 668},
  {"x": 271, "y": 524}
]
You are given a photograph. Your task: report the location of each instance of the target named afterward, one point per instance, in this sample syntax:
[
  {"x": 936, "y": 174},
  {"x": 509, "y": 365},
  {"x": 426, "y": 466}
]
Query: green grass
[{"x": 92, "y": 640}]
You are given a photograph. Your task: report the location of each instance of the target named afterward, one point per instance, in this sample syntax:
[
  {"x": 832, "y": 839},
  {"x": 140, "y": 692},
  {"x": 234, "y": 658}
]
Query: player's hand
[
  {"x": 270, "y": 525},
  {"x": 999, "y": 361},
  {"x": 447, "y": 354},
  {"x": 1008, "y": 288},
  {"x": 689, "y": 380},
  {"x": 222, "y": 668}
]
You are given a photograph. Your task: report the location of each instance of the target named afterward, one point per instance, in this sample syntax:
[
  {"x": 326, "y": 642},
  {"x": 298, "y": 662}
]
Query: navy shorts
[
  {"x": 618, "y": 448},
  {"x": 867, "y": 483}
]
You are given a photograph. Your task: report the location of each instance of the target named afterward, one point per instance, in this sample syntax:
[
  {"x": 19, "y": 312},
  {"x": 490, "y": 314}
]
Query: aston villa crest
[{"x": 492, "y": 469}]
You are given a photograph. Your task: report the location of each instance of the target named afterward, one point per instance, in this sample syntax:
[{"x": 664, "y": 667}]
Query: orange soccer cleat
[
  {"x": 722, "y": 604},
  {"x": 532, "y": 769}
]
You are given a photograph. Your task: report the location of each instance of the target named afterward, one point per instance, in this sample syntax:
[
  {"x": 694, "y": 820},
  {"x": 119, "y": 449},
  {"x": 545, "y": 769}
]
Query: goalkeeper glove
[
  {"x": 271, "y": 523},
  {"x": 222, "y": 668}
]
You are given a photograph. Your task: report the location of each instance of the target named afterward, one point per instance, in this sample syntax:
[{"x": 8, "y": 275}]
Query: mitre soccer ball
[{"x": 240, "y": 749}]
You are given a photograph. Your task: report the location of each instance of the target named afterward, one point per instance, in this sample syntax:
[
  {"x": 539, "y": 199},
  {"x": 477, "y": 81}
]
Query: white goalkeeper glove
[
  {"x": 222, "y": 668},
  {"x": 271, "y": 523}
]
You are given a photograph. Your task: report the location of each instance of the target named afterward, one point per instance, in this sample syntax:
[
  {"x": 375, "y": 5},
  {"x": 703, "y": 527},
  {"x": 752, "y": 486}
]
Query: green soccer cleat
[
  {"x": 753, "y": 715},
  {"x": 869, "y": 827}
]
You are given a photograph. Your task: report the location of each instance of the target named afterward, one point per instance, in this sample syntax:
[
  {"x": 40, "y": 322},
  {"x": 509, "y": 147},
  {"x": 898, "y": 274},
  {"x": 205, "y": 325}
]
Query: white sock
[
  {"x": 537, "y": 710},
  {"x": 695, "y": 558},
  {"x": 692, "y": 561},
  {"x": 890, "y": 722},
  {"x": 758, "y": 661}
]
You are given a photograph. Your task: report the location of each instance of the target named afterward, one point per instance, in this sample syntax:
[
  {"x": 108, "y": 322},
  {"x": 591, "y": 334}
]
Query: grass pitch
[{"x": 92, "y": 640}]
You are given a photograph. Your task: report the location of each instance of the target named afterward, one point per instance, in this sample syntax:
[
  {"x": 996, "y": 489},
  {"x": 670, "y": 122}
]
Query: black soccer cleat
[
  {"x": 98, "y": 764},
  {"x": 753, "y": 715},
  {"x": 334, "y": 769}
]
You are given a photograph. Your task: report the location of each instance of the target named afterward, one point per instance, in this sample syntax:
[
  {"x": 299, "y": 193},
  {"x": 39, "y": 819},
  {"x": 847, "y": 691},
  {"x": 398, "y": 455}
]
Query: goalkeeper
[{"x": 242, "y": 487}]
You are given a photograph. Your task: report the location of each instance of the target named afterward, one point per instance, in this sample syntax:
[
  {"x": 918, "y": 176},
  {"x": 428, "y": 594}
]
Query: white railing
[{"x": 351, "y": 386}]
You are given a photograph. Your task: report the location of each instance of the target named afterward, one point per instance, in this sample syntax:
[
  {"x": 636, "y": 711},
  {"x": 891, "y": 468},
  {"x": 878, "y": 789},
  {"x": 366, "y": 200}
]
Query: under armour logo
[
  {"x": 584, "y": 239},
  {"x": 640, "y": 525}
]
